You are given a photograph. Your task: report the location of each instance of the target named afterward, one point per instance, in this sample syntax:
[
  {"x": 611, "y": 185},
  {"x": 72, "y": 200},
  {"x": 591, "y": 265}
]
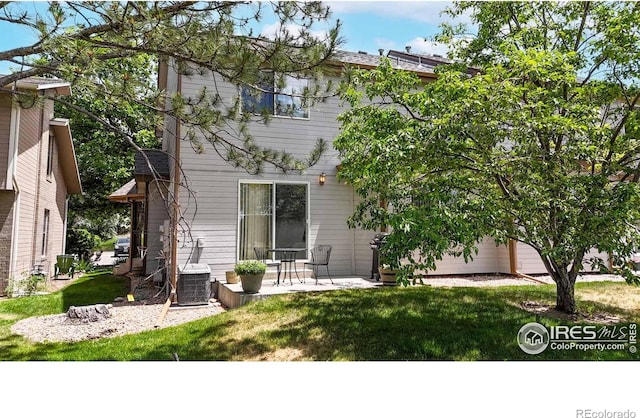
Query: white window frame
[{"x": 274, "y": 183}]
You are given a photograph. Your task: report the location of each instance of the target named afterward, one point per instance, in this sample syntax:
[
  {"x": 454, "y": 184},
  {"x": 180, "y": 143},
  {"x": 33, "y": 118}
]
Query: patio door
[{"x": 273, "y": 215}]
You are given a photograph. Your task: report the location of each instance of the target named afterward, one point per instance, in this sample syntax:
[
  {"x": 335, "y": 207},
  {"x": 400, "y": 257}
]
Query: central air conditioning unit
[{"x": 194, "y": 284}]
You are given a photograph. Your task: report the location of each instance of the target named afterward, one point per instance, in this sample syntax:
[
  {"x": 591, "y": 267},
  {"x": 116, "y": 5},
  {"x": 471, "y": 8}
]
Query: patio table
[{"x": 288, "y": 260}]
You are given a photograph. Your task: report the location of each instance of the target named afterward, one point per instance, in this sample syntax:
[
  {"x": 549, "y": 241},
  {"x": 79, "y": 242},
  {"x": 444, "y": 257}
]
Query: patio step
[{"x": 232, "y": 295}]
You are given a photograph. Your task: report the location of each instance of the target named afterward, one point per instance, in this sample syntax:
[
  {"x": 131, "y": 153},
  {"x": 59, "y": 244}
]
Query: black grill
[{"x": 375, "y": 244}]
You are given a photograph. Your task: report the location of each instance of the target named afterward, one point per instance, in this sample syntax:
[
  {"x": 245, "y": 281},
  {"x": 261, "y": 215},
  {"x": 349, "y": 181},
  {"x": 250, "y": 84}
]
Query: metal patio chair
[
  {"x": 262, "y": 254},
  {"x": 320, "y": 257}
]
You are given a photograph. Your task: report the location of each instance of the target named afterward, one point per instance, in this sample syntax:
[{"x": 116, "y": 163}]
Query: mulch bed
[{"x": 550, "y": 311}]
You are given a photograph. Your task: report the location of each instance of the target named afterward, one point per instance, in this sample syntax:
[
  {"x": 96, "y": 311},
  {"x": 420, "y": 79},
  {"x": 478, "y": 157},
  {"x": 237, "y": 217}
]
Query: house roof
[
  {"x": 158, "y": 162},
  {"x": 126, "y": 193},
  {"x": 68, "y": 162},
  {"x": 430, "y": 61},
  {"x": 364, "y": 60},
  {"x": 42, "y": 83}
]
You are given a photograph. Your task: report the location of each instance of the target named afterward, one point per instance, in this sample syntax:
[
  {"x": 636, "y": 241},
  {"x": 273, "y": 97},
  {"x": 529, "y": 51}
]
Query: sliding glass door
[{"x": 273, "y": 215}]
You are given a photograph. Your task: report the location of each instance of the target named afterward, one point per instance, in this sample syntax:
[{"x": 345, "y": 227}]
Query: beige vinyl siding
[
  {"x": 215, "y": 184},
  {"x": 362, "y": 252},
  {"x": 529, "y": 261},
  {"x": 53, "y": 193},
  {"x": 215, "y": 219},
  {"x": 586, "y": 263},
  {"x": 490, "y": 259},
  {"x": 503, "y": 262},
  {"x": 156, "y": 217},
  {"x": 5, "y": 133},
  {"x": 169, "y": 129},
  {"x": 27, "y": 177},
  {"x": 331, "y": 204},
  {"x": 296, "y": 136},
  {"x": 38, "y": 192}
]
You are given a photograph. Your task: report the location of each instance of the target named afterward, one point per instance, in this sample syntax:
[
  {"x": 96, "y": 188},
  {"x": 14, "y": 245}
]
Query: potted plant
[
  {"x": 251, "y": 273},
  {"x": 232, "y": 277},
  {"x": 387, "y": 275}
]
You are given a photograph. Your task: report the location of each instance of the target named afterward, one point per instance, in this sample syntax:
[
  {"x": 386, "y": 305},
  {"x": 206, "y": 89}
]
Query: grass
[
  {"x": 107, "y": 245},
  {"x": 418, "y": 323}
]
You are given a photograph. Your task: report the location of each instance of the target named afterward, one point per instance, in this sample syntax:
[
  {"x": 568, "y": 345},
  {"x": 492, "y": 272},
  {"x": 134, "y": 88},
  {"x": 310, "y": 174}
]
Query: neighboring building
[
  {"x": 38, "y": 171},
  {"x": 231, "y": 212}
]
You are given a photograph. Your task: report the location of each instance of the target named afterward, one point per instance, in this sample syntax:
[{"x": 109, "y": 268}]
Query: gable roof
[
  {"x": 61, "y": 87},
  {"x": 68, "y": 161},
  {"x": 127, "y": 193}
]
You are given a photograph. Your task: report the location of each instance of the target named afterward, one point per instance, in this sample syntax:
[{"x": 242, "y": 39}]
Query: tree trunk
[
  {"x": 565, "y": 295},
  {"x": 565, "y": 283}
]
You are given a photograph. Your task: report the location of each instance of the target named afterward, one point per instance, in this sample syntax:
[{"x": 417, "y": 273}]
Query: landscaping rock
[{"x": 91, "y": 313}]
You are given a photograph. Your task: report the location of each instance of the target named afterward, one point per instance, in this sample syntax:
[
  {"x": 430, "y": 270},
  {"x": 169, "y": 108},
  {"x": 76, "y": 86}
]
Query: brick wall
[{"x": 6, "y": 225}]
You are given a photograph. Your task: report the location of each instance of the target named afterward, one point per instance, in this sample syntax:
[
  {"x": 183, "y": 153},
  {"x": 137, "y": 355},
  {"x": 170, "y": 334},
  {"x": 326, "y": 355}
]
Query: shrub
[
  {"x": 26, "y": 286},
  {"x": 250, "y": 267}
]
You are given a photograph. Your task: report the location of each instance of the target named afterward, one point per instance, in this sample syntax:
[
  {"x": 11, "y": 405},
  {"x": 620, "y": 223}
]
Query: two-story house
[
  {"x": 38, "y": 171},
  {"x": 230, "y": 211}
]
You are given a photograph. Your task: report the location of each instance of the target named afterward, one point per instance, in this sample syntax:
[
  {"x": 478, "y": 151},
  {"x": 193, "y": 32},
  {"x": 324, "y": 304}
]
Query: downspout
[
  {"x": 12, "y": 167},
  {"x": 353, "y": 234},
  {"x": 513, "y": 263},
  {"x": 176, "y": 206},
  {"x": 36, "y": 204}
]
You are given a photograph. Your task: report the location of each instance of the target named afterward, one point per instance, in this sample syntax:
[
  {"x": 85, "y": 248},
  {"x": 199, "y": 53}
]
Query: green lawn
[{"x": 418, "y": 323}]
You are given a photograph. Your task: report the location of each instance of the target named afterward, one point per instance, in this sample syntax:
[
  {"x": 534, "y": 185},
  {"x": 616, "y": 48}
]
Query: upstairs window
[
  {"x": 45, "y": 233},
  {"x": 50, "y": 150},
  {"x": 286, "y": 100}
]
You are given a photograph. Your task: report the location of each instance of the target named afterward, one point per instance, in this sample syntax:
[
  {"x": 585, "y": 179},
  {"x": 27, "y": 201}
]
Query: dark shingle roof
[{"x": 158, "y": 160}]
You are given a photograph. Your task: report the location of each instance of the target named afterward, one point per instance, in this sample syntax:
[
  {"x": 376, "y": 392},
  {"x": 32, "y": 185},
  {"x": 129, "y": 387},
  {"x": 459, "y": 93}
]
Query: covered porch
[{"x": 150, "y": 166}]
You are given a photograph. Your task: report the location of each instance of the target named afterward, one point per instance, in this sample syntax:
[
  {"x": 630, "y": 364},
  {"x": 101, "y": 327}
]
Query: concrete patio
[{"x": 232, "y": 296}]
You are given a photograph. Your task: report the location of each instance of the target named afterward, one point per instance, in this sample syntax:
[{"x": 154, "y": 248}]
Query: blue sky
[
  {"x": 370, "y": 25},
  {"x": 367, "y": 26}
]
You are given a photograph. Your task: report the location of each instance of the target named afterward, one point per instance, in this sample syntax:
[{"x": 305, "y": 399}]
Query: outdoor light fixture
[{"x": 322, "y": 178}]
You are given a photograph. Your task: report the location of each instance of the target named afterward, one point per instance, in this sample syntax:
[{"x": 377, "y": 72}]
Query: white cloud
[
  {"x": 271, "y": 31},
  {"x": 423, "y": 46},
  {"x": 422, "y": 11}
]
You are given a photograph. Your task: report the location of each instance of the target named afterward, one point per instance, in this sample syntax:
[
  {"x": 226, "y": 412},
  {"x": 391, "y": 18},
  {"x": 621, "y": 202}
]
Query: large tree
[
  {"x": 105, "y": 159},
  {"x": 109, "y": 52},
  {"x": 542, "y": 146},
  {"x": 77, "y": 41}
]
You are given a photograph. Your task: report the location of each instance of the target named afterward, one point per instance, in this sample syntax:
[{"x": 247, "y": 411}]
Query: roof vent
[
  {"x": 362, "y": 52},
  {"x": 408, "y": 49},
  {"x": 380, "y": 51}
]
